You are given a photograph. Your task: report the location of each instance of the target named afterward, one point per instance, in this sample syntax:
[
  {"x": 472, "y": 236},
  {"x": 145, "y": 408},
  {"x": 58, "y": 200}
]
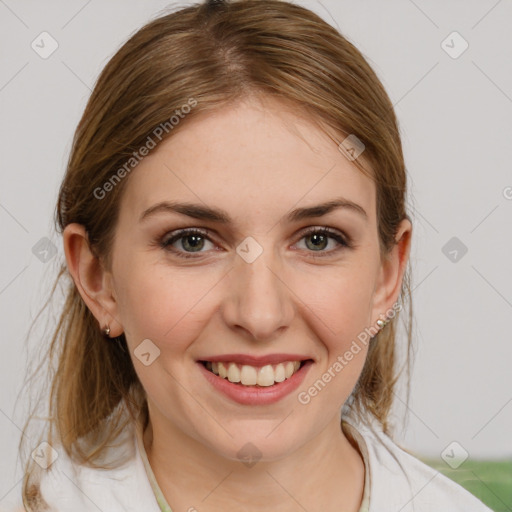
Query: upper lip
[{"x": 255, "y": 360}]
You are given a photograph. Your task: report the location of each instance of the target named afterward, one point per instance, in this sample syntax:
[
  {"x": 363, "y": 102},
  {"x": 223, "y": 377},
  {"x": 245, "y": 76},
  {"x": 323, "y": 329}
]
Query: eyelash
[{"x": 166, "y": 243}]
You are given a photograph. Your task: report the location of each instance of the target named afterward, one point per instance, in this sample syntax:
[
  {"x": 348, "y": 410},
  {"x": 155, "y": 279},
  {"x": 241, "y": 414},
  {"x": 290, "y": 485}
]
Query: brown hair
[{"x": 212, "y": 53}]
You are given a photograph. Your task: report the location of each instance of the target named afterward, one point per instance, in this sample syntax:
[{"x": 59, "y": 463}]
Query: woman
[{"x": 234, "y": 224}]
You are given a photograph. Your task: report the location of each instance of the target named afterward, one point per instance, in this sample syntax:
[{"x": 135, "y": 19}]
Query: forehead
[{"x": 249, "y": 158}]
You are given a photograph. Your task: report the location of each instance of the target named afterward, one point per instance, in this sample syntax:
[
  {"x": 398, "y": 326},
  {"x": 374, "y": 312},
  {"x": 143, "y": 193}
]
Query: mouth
[{"x": 254, "y": 376}]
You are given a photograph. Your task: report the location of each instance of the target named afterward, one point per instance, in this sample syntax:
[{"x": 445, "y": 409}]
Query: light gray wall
[{"x": 455, "y": 119}]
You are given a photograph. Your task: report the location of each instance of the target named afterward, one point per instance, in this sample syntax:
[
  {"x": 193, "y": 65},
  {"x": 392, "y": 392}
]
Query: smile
[
  {"x": 251, "y": 380},
  {"x": 248, "y": 375}
]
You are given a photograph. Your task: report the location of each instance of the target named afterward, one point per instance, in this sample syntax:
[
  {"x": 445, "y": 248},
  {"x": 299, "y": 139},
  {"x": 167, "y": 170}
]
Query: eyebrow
[{"x": 203, "y": 212}]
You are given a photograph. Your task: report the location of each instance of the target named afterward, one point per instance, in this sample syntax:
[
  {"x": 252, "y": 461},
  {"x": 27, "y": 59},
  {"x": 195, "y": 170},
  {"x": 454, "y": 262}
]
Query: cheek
[
  {"x": 163, "y": 304},
  {"x": 338, "y": 310},
  {"x": 340, "y": 300},
  {"x": 338, "y": 306}
]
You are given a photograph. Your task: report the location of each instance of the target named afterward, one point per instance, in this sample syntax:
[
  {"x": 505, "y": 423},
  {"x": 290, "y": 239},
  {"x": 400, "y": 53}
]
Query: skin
[{"x": 257, "y": 160}]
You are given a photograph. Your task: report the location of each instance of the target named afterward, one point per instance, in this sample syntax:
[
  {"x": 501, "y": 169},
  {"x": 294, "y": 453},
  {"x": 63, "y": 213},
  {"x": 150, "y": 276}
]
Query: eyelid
[
  {"x": 327, "y": 230},
  {"x": 177, "y": 233}
]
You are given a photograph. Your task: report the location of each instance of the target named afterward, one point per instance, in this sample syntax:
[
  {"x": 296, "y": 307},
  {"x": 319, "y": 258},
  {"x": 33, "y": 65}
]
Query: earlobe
[
  {"x": 392, "y": 272},
  {"x": 93, "y": 282}
]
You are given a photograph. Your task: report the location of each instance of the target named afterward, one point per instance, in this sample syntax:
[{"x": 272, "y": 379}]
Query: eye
[
  {"x": 190, "y": 242},
  {"x": 317, "y": 240},
  {"x": 185, "y": 242}
]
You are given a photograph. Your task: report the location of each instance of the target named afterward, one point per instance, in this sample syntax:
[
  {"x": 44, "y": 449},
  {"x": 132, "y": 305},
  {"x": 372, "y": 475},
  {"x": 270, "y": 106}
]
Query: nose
[{"x": 259, "y": 302}]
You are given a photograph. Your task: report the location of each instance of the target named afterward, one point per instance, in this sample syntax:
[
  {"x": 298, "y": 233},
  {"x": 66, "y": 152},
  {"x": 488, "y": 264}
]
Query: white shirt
[{"x": 395, "y": 481}]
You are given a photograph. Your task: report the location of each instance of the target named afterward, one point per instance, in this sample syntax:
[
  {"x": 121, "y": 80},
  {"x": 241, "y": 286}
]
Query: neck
[{"x": 326, "y": 474}]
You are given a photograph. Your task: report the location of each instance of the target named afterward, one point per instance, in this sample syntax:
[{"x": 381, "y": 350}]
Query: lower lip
[{"x": 256, "y": 395}]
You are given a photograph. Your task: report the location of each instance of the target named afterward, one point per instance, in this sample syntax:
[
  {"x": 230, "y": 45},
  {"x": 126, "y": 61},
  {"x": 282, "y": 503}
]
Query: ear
[
  {"x": 391, "y": 273},
  {"x": 93, "y": 282}
]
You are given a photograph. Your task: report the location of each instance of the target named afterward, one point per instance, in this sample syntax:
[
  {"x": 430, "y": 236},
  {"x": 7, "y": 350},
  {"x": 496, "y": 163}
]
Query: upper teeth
[{"x": 251, "y": 375}]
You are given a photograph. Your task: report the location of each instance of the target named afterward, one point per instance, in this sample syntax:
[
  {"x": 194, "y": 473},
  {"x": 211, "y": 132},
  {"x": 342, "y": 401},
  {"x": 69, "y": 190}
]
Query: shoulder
[
  {"x": 66, "y": 485},
  {"x": 399, "y": 481}
]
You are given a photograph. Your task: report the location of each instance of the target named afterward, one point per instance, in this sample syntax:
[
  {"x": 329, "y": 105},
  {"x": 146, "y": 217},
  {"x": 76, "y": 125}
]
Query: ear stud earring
[
  {"x": 106, "y": 331},
  {"x": 382, "y": 323}
]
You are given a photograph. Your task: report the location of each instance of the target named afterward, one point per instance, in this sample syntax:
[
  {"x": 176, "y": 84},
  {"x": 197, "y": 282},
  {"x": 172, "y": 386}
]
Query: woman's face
[{"x": 255, "y": 287}]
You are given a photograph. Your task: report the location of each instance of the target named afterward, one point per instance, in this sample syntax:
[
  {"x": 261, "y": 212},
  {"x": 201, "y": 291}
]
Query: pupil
[
  {"x": 197, "y": 242},
  {"x": 319, "y": 238}
]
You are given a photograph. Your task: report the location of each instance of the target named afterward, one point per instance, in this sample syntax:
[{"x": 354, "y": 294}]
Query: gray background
[{"x": 455, "y": 119}]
